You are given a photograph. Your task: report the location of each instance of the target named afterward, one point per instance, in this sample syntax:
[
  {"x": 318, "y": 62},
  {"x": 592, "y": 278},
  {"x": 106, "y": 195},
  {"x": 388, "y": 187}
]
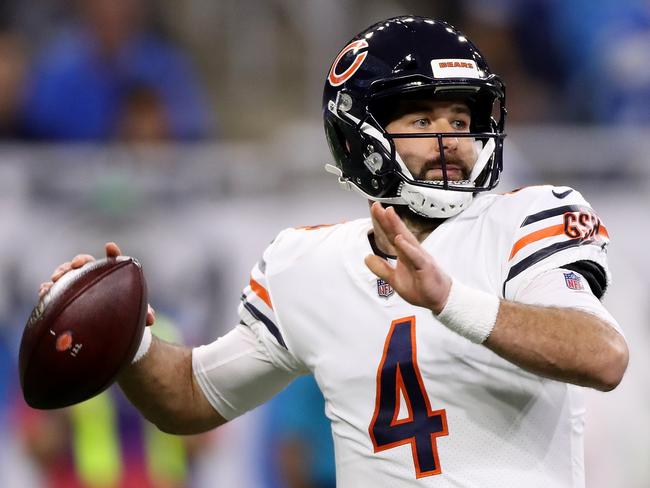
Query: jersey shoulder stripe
[
  {"x": 552, "y": 212},
  {"x": 256, "y": 304},
  {"x": 256, "y": 314},
  {"x": 553, "y": 230},
  {"x": 577, "y": 223},
  {"x": 543, "y": 253},
  {"x": 261, "y": 292},
  {"x": 551, "y": 235},
  {"x": 288, "y": 251}
]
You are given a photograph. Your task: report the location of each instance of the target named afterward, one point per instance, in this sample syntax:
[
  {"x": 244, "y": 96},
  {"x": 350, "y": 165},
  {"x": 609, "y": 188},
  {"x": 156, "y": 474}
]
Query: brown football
[{"x": 82, "y": 332}]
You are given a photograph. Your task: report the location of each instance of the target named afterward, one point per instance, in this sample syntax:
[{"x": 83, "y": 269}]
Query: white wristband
[
  {"x": 470, "y": 312},
  {"x": 145, "y": 344}
]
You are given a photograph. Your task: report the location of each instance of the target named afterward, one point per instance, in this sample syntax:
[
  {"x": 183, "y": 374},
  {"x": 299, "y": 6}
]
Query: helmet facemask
[{"x": 439, "y": 198}]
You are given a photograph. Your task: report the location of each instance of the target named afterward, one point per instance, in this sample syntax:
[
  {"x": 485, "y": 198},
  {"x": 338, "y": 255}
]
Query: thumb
[
  {"x": 112, "y": 250},
  {"x": 151, "y": 315}
]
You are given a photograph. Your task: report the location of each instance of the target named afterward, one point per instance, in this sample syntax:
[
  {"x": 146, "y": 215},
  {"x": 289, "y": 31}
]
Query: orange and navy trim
[
  {"x": 580, "y": 225},
  {"x": 258, "y": 315},
  {"x": 261, "y": 292},
  {"x": 256, "y": 300},
  {"x": 552, "y": 212}
]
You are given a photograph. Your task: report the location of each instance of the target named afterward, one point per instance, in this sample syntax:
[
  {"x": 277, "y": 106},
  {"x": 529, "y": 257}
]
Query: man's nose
[{"x": 449, "y": 143}]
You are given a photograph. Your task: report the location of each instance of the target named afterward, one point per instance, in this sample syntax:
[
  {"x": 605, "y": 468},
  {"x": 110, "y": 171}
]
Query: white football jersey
[{"x": 411, "y": 402}]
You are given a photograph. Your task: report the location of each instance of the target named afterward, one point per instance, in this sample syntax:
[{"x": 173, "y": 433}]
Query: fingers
[
  {"x": 407, "y": 246},
  {"x": 77, "y": 262},
  {"x": 410, "y": 254},
  {"x": 61, "y": 270},
  {"x": 151, "y": 316},
  {"x": 390, "y": 223},
  {"x": 112, "y": 250},
  {"x": 44, "y": 288},
  {"x": 380, "y": 267},
  {"x": 80, "y": 259},
  {"x": 379, "y": 214}
]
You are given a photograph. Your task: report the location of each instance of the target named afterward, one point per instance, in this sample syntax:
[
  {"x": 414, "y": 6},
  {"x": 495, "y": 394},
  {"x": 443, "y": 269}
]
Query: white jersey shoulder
[
  {"x": 294, "y": 243},
  {"x": 549, "y": 227},
  {"x": 290, "y": 248}
]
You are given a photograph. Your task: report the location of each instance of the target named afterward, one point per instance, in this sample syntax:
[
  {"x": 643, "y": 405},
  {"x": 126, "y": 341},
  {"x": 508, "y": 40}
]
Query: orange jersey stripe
[
  {"x": 261, "y": 292},
  {"x": 313, "y": 227},
  {"x": 554, "y": 230}
]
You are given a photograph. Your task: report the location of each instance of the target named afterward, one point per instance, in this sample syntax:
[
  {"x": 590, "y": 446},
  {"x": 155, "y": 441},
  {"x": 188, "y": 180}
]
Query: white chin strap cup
[{"x": 435, "y": 203}]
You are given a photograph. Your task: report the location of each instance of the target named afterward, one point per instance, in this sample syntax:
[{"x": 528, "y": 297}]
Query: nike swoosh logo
[{"x": 563, "y": 194}]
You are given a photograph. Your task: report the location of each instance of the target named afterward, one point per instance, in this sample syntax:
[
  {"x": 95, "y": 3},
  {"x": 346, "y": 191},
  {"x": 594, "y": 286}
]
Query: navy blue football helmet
[{"x": 417, "y": 57}]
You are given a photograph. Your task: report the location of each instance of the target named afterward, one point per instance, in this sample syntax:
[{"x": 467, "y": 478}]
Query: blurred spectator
[
  {"x": 494, "y": 26},
  {"x": 299, "y": 451},
  {"x": 36, "y": 20},
  {"x": 16, "y": 468},
  {"x": 81, "y": 80},
  {"x": 6, "y": 381},
  {"x": 605, "y": 49},
  {"x": 143, "y": 118},
  {"x": 13, "y": 64},
  {"x": 589, "y": 57},
  {"x": 105, "y": 442}
]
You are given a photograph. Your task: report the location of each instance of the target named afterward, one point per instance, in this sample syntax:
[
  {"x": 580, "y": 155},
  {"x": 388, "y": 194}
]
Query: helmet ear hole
[{"x": 337, "y": 140}]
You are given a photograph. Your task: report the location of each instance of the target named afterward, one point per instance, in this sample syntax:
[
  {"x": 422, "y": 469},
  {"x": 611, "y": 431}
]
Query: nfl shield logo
[
  {"x": 384, "y": 289},
  {"x": 573, "y": 281}
]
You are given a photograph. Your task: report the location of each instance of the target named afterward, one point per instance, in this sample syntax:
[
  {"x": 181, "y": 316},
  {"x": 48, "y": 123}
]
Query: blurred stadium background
[{"x": 190, "y": 133}]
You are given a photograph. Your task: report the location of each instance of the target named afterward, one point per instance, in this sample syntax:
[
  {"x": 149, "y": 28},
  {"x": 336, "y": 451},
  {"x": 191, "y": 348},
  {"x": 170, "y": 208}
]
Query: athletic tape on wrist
[
  {"x": 470, "y": 312},
  {"x": 145, "y": 344}
]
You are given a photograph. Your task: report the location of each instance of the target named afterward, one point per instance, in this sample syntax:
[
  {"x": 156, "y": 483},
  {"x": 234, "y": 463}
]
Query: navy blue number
[{"x": 398, "y": 375}]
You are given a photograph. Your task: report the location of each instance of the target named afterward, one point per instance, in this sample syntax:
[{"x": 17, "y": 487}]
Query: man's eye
[
  {"x": 459, "y": 124},
  {"x": 422, "y": 123}
]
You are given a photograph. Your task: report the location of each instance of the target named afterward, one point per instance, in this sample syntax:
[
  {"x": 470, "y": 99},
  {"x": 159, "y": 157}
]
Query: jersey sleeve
[
  {"x": 561, "y": 287},
  {"x": 555, "y": 227},
  {"x": 256, "y": 311},
  {"x": 236, "y": 372},
  {"x": 252, "y": 362}
]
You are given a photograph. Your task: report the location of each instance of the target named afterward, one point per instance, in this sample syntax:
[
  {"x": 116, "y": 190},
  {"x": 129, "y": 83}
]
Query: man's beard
[{"x": 454, "y": 162}]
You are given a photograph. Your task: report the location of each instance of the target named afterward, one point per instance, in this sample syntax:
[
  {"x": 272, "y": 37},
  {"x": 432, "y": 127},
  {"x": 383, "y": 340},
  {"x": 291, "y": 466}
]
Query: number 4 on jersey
[{"x": 398, "y": 375}]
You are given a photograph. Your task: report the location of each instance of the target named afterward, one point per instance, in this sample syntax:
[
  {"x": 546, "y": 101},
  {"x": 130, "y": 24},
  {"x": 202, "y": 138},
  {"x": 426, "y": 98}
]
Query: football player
[{"x": 451, "y": 331}]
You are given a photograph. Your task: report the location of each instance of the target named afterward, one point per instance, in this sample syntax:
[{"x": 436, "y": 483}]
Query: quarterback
[{"x": 452, "y": 330}]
